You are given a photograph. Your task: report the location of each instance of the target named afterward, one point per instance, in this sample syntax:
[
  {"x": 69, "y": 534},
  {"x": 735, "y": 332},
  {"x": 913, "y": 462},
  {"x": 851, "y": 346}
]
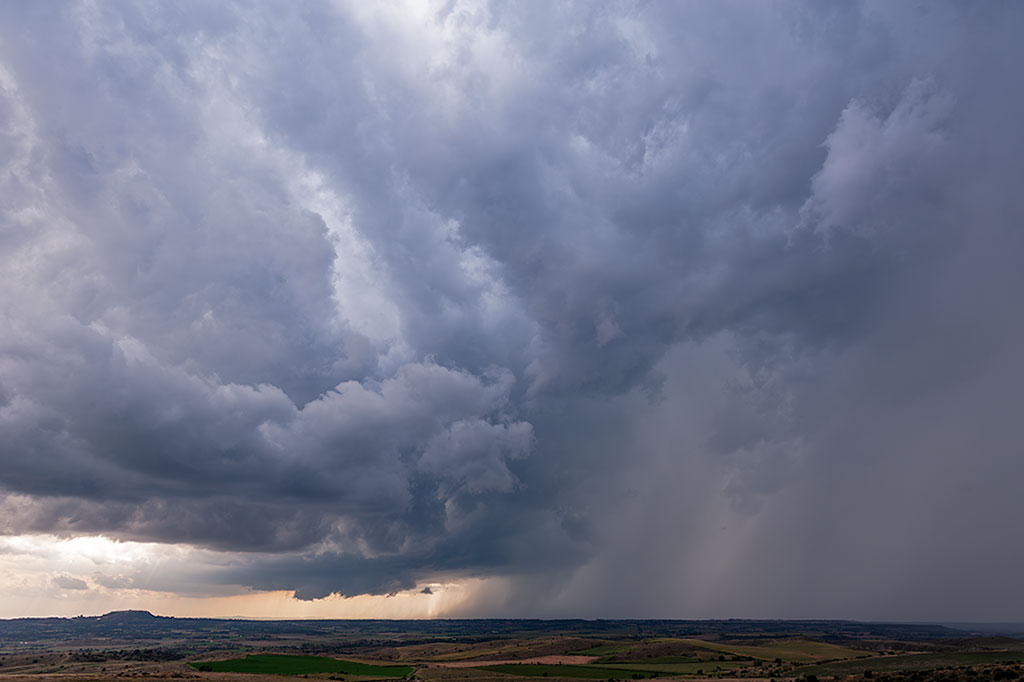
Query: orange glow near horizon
[
  {"x": 45, "y": 575},
  {"x": 261, "y": 605}
]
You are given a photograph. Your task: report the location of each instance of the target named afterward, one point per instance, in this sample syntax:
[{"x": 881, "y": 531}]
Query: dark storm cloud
[{"x": 388, "y": 295}]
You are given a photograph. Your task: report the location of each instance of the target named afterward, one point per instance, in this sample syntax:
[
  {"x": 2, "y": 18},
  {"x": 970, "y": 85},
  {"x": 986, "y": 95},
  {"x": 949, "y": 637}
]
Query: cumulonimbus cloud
[{"x": 374, "y": 295}]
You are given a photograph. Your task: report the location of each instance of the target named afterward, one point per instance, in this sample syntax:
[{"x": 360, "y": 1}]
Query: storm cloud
[{"x": 645, "y": 309}]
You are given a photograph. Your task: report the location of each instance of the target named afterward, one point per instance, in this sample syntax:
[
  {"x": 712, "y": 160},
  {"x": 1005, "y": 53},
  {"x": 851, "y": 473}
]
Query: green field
[
  {"x": 788, "y": 650},
  {"x": 590, "y": 672},
  {"x": 280, "y": 664},
  {"x": 913, "y": 662}
]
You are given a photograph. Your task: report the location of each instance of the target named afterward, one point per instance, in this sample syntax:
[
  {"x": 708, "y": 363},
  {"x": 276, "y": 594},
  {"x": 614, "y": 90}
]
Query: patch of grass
[
  {"x": 604, "y": 649},
  {"x": 590, "y": 672},
  {"x": 490, "y": 652},
  {"x": 503, "y": 649},
  {"x": 282, "y": 664},
  {"x": 690, "y": 668},
  {"x": 913, "y": 662}
]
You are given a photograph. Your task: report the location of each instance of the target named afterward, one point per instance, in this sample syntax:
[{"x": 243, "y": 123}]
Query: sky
[{"x": 535, "y": 309}]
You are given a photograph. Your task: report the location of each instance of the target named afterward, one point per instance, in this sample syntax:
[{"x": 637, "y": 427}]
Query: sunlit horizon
[{"x": 51, "y": 576}]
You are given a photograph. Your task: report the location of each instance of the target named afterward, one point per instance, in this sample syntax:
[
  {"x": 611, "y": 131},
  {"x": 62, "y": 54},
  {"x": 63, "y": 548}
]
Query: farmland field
[
  {"x": 790, "y": 651},
  {"x": 280, "y": 664},
  {"x": 706, "y": 667},
  {"x": 914, "y": 662},
  {"x": 471, "y": 654},
  {"x": 604, "y": 649},
  {"x": 591, "y": 672}
]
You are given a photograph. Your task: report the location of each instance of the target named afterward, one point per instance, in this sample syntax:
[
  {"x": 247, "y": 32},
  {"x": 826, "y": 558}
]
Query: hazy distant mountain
[{"x": 129, "y": 617}]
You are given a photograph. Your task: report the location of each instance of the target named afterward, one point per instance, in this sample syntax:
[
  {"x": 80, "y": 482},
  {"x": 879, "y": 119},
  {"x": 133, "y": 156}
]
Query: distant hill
[
  {"x": 135, "y": 617},
  {"x": 989, "y": 629}
]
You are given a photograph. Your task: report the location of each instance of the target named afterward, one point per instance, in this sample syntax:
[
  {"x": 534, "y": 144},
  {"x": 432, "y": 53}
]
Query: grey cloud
[
  {"x": 67, "y": 582},
  {"x": 505, "y": 291},
  {"x": 246, "y": 464},
  {"x": 113, "y": 582},
  {"x": 473, "y": 454}
]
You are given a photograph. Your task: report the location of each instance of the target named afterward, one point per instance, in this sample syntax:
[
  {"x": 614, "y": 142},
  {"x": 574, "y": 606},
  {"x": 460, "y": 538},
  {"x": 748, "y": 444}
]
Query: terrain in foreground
[{"x": 132, "y": 644}]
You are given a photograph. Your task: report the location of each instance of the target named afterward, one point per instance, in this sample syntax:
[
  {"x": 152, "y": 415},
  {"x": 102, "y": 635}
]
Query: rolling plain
[{"x": 137, "y": 644}]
